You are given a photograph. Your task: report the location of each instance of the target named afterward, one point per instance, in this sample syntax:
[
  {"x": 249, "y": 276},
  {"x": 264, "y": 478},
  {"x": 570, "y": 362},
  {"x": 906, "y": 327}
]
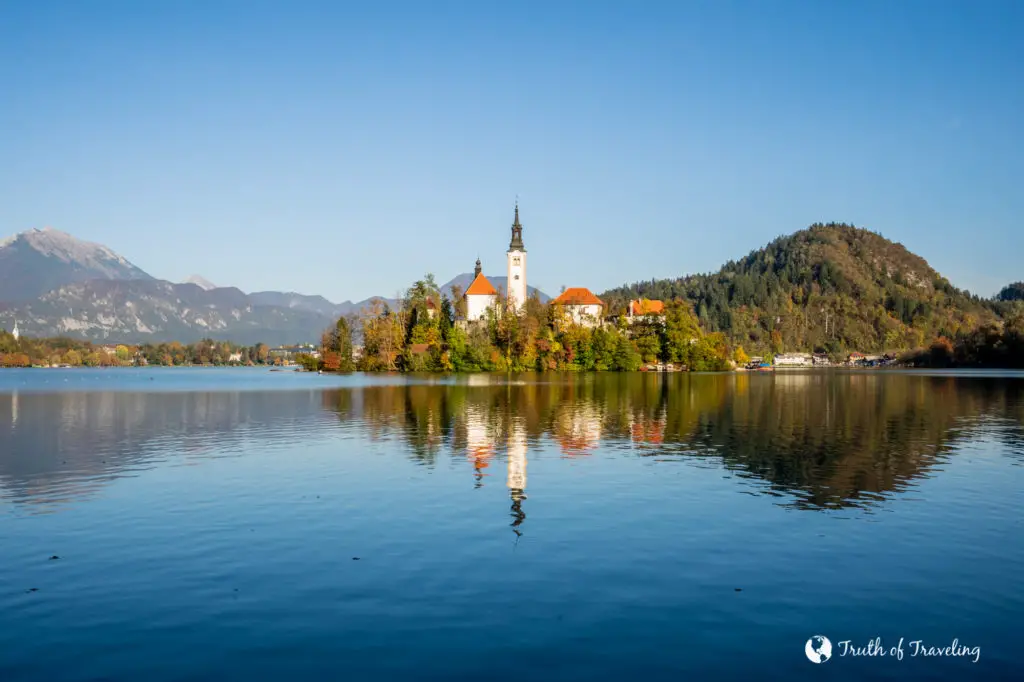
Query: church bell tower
[{"x": 516, "y": 266}]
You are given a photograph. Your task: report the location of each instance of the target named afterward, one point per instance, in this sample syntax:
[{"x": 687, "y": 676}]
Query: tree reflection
[
  {"x": 822, "y": 440},
  {"x": 815, "y": 440}
]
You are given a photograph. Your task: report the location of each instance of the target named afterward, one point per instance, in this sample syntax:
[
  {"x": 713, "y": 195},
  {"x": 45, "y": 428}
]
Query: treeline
[
  {"x": 421, "y": 334},
  {"x": 29, "y": 352},
  {"x": 1011, "y": 292},
  {"x": 830, "y": 288},
  {"x": 994, "y": 345}
]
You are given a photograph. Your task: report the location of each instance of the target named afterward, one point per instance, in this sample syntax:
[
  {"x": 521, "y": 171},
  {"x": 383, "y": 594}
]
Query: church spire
[
  {"x": 517, "y": 233},
  {"x": 477, "y": 270}
]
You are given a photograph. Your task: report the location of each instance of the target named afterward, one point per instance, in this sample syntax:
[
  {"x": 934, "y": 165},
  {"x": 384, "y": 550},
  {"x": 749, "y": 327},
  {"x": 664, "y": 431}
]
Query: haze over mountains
[{"x": 54, "y": 284}]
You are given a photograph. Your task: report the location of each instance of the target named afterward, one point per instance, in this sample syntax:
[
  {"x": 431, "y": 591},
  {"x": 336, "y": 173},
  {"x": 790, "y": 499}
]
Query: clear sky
[{"x": 345, "y": 150}]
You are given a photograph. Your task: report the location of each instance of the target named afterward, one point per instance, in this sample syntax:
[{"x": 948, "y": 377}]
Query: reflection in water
[
  {"x": 822, "y": 440},
  {"x": 272, "y": 535},
  {"x": 479, "y": 443},
  {"x": 816, "y": 441},
  {"x": 58, "y": 447},
  {"x": 516, "y": 482}
]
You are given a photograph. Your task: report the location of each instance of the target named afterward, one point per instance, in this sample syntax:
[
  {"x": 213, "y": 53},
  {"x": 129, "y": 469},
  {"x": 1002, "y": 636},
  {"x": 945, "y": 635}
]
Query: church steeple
[
  {"x": 516, "y": 266},
  {"x": 517, "y": 233},
  {"x": 478, "y": 269}
]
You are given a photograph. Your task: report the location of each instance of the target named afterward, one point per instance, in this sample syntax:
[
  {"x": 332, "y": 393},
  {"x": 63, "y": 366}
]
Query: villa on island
[
  {"x": 581, "y": 306},
  {"x": 644, "y": 307}
]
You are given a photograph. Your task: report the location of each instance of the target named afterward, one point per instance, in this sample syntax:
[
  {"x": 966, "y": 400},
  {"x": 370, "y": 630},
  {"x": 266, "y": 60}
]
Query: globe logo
[{"x": 818, "y": 649}]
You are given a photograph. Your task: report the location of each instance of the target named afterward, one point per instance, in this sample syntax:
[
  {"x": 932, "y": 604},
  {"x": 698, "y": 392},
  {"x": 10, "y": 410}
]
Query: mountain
[
  {"x": 155, "y": 310},
  {"x": 53, "y": 284},
  {"x": 500, "y": 283},
  {"x": 313, "y": 304},
  {"x": 37, "y": 261},
  {"x": 56, "y": 285},
  {"x": 201, "y": 282},
  {"x": 829, "y": 287}
]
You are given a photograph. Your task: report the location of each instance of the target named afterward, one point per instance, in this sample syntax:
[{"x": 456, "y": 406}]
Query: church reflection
[
  {"x": 516, "y": 480},
  {"x": 485, "y": 433}
]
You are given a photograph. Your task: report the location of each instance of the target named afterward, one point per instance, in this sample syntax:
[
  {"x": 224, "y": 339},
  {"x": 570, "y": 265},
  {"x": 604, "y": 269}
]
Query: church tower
[{"x": 516, "y": 266}]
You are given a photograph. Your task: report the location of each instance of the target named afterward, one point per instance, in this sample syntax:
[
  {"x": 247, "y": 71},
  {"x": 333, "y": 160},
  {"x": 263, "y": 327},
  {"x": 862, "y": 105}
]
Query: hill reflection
[{"x": 816, "y": 441}]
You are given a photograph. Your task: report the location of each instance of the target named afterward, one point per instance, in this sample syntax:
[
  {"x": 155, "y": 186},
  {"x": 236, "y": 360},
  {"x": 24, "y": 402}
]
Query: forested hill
[{"x": 830, "y": 287}]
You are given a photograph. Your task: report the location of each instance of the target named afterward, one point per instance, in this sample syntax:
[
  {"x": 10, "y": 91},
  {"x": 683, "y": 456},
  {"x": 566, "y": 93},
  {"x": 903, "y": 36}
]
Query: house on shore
[
  {"x": 793, "y": 360},
  {"x": 290, "y": 353},
  {"x": 581, "y": 306}
]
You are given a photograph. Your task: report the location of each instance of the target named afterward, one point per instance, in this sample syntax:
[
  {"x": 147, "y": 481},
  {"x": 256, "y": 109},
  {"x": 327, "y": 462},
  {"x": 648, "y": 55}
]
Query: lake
[{"x": 204, "y": 524}]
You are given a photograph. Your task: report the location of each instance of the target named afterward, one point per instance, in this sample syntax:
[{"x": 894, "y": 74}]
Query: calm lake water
[{"x": 250, "y": 525}]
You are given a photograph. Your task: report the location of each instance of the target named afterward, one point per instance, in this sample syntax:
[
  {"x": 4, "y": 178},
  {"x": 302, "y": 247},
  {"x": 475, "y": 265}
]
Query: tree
[
  {"x": 307, "y": 362},
  {"x": 1012, "y": 292},
  {"x": 384, "y": 332},
  {"x": 459, "y": 302},
  {"x": 626, "y": 359},
  {"x": 340, "y": 345},
  {"x": 446, "y": 319},
  {"x": 681, "y": 331},
  {"x": 740, "y": 356},
  {"x": 123, "y": 355}
]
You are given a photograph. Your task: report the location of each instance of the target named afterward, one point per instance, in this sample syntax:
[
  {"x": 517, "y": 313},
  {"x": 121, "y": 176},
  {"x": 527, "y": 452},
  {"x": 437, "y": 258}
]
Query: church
[{"x": 481, "y": 295}]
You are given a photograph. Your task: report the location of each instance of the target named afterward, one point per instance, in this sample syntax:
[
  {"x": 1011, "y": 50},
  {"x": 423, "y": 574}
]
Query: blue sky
[{"x": 345, "y": 150}]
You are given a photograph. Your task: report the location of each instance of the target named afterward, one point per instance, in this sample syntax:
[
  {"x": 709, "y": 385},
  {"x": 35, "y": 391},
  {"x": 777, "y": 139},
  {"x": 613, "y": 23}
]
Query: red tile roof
[
  {"x": 644, "y": 306},
  {"x": 481, "y": 287},
  {"x": 577, "y": 296}
]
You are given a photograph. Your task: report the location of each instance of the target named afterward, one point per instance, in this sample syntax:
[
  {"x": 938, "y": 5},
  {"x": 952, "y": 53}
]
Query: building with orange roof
[
  {"x": 581, "y": 306},
  {"x": 643, "y": 307},
  {"x": 480, "y": 296}
]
